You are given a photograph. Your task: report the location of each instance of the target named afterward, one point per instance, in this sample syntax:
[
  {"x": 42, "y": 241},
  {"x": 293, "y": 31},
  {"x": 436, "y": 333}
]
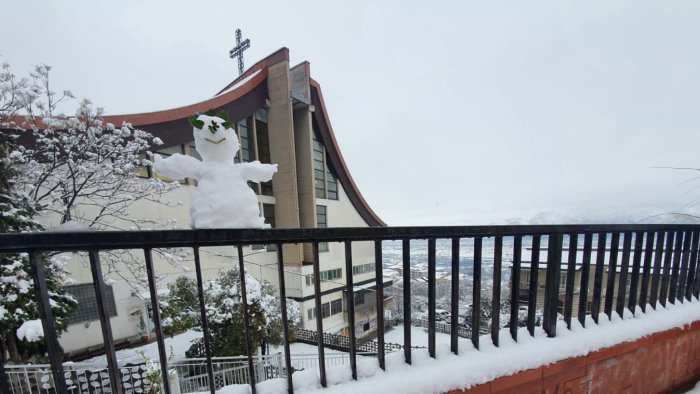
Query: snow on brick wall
[{"x": 656, "y": 363}]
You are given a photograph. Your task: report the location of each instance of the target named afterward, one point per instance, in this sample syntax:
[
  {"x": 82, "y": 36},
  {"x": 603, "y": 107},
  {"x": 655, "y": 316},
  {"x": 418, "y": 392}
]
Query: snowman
[{"x": 222, "y": 198}]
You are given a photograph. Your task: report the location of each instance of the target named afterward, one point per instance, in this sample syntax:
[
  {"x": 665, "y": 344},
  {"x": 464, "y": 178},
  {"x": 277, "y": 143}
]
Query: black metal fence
[
  {"x": 342, "y": 342},
  {"x": 656, "y": 263}
]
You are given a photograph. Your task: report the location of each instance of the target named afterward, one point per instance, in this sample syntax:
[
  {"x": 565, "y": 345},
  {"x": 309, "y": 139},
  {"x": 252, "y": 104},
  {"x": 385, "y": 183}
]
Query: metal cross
[{"x": 237, "y": 51}]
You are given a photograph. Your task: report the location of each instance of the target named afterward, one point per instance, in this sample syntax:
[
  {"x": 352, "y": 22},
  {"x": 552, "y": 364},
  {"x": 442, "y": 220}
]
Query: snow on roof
[{"x": 239, "y": 83}]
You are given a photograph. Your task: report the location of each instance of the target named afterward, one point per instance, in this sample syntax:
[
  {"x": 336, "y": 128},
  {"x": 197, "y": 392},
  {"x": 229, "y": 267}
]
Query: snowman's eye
[{"x": 213, "y": 127}]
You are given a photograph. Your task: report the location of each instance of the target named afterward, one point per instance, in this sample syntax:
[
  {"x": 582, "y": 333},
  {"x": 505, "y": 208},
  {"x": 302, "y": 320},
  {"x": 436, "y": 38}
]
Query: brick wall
[{"x": 654, "y": 364}]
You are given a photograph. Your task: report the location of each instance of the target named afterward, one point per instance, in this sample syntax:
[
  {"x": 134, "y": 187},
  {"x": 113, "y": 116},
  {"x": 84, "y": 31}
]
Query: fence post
[{"x": 551, "y": 300}]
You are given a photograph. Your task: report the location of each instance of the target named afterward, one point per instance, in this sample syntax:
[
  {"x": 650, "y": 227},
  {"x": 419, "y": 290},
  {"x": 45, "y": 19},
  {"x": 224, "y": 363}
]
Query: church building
[{"x": 280, "y": 117}]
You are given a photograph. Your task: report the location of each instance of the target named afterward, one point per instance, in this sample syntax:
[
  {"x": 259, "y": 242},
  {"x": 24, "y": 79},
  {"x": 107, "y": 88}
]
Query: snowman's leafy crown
[{"x": 199, "y": 124}]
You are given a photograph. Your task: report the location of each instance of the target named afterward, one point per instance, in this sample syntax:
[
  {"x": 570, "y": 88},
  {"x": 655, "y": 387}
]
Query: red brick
[
  {"x": 518, "y": 379},
  {"x": 532, "y": 387},
  {"x": 563, "y": 366},
  {"x": 480, "y": 389},
  {"x": 565, "y": 376}
]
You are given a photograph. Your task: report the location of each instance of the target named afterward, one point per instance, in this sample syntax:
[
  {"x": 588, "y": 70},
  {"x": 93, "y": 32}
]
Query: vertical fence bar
[
  {"x": 696, "y": 284},
  {"x": 350, "y": 297},
  {"x": 636, "y": 266},
  {"x": 476, "y": 293},
  {"x": 246, "y": 320},
  {"x": 612, "y": 271},
  {"x": 598, "y": 278},
  {"x": 406, "y": 246},
  {"x": 656, "y": 276},
  {"x": 570, "y": 279},
  {"x": 319, "y": 315},
  {"x": 532, "y": 289},
  {"x": 676, "y": 267},
  {"x": 496, "y": 287},
  {"x": 666, "y": 277},
  {"x": 515, "y": 287},
  {"x": 47, "y": 321},
  {"x": 691, "y": 267},
  {"x": 379, "y": 293},
  {"x": 4, "y": 382},
  {"x": 203, "y": 316},
  {"x": 624, "y": 271},
  {"x": 551, "y": 298},
  {"x": 285, "y": 319},
  {"x": 646, "y": 273},
  {"x": 454, "y": 299},
  {"x": 431, "y": 297},
  {"x": 687, "y": 240},
  {"x": 101, "y": 301},
  {"x": 585, "y": 273},
  {"x": 148, "y": 258}
]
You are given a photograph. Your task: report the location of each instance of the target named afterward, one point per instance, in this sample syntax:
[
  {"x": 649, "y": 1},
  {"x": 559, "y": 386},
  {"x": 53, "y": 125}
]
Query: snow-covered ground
[
  {"x": 176, "y": 345},
  {"x": 472, "y": 367}
]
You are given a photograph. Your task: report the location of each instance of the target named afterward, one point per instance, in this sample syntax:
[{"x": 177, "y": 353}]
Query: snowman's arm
[
  {"x": 178, "y": 166},
  {"x": 258, "y": 172}
]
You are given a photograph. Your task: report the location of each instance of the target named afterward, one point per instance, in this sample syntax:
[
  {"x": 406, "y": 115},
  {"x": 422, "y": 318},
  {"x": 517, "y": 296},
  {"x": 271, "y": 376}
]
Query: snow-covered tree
[
  {"x": 79, "y": 168},
  {"x": 17, "y": 299},
  {"x": 223, "y": 304}
]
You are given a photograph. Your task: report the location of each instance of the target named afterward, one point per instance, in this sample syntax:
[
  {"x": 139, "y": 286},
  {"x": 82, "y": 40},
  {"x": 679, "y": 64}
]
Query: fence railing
[
  {"x": 192, "y": 375},
  {"x": 659, "y": 262},
  {"x": 342, "y": 342}
]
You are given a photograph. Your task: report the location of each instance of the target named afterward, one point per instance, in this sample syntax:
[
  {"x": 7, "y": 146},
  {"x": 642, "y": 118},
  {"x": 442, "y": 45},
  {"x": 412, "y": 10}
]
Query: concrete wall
[{"x": 658, "y": 363}]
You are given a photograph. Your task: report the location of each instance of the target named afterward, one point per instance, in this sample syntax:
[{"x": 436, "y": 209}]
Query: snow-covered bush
[{"x": 223, "y": 304}]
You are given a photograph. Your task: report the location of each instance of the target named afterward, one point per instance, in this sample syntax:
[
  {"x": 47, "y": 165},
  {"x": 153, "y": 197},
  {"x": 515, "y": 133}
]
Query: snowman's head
[{"x": 214, "y": 138}]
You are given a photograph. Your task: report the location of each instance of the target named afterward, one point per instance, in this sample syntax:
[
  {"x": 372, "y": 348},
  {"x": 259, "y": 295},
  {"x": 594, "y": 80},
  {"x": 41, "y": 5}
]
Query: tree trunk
[{"x": 11, "y": 343}]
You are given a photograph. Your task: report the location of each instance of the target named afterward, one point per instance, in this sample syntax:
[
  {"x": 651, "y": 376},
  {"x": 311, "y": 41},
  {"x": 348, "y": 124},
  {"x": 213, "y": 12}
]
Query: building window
[
  {"x": 87, "y": 303},
  {"x": 319, "y": 169},
  {"x": 326, "y": 310},
  {"x": 363, "y": 269},
  {"x": 263, "y": 141},
  {"x": 359, "y": 298},
  {"x": 269, "y": 214},
  {"x": 321, "y": 222},
  {"x": 332, "y": 186},
  {"x": 309, "y": 279},
  {"x": 246, "y": 139},
  {"x": 331, "y": 274},
  {"x": 326, "y": 183},
  {"x": 336, "y": 306}
]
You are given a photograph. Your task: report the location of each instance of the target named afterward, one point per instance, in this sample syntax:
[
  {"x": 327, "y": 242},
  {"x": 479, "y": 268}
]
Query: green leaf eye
[{"x": 194, "y": 122}]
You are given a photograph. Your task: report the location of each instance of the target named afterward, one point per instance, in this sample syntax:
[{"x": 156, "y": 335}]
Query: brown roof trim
[
  {"x": 148, "y": 118},
  {"x": 280, "y": 55},
  {"x": 336, "y": 158}
]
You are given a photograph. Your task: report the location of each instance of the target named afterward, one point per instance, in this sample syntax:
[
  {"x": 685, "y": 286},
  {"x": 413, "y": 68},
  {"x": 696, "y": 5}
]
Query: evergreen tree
[
  {"x": 224, "y": 309},
  {"x": 17, "y": 298}
]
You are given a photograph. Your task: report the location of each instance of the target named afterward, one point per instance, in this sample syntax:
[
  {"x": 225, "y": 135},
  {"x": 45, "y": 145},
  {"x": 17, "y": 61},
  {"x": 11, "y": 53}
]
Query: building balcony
[{"x": 654, "y": 279}]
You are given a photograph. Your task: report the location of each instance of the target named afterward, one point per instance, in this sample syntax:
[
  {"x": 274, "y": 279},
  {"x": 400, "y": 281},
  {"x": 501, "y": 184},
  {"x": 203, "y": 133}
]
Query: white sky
[{"x": 461, "y": 113}]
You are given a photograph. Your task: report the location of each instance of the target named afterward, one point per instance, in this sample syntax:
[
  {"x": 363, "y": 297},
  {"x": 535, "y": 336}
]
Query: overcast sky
[{"x": 462, "y": 113}]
